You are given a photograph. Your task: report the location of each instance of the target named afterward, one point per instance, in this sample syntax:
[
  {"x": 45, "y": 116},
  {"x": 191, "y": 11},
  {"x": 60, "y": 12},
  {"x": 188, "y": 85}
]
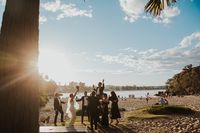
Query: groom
[
  {"x": 58, "y": 108},
  {"x": 84, "y": 100}
]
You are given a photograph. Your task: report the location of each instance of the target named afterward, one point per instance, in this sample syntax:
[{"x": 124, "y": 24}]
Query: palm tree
[
  {"x": 19, "y": 97},
  {"x": 156, "y": 6}
]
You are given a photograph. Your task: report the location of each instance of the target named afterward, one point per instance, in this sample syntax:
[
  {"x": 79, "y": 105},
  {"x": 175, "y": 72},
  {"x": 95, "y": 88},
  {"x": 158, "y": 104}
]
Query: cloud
[
  {"x": 154, "y": 60},
  {"x": 66, "y": 10},
  {"x": 103, "y": 71},
  {"x": 188, "y": 40},
  {"x": 167, "y": 15},
  {"x": 3, "y": 2},
  {"x": 128, "y": 49},
  {"x": 134, "y": 10},
  {"x": 52, "y": 6},
  {"x": 42, "y": 19}
]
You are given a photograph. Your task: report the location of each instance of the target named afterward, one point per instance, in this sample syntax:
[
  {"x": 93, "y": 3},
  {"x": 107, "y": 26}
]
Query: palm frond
[{"x": 155, "y": 7}]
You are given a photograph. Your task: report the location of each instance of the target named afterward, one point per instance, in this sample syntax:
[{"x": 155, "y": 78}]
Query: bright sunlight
[{"x": 54, "y": 64}]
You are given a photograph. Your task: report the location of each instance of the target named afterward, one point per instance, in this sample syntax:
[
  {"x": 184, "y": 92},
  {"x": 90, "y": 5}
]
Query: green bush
[
  {"x": 166, "y": 110},
  {"x": 43, "y": 100}
]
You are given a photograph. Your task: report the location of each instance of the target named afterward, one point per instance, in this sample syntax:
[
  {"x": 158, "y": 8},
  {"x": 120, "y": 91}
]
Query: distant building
[
  {"x": 73, "y": 84},
  {"x": 82, "y": 85}
]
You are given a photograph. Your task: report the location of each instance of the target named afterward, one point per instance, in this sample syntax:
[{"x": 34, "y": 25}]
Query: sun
[{"x": 54, "y": 64}]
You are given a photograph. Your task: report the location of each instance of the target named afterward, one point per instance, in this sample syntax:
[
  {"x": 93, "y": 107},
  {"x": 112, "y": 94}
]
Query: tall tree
[{"x": 19, "y": 98}]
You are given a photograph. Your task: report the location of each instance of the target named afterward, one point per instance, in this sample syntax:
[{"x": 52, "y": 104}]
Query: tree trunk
[{"x": 19, "y": 95}]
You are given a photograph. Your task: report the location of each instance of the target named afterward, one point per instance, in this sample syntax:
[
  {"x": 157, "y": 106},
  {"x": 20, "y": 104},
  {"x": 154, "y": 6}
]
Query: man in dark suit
[
  {"x": 93, "y": 107},
  {"x": 58, "y": 108},
  {"x": 84, "y": 100},
  {"x": 100, "y": 89}
]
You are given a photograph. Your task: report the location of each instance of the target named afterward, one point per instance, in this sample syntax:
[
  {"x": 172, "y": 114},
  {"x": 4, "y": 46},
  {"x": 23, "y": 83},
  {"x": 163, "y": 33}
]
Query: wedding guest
[
  {"x": 147, "y": 97},
  {"x": 58, "y": 108},
  {"x": 84, "y": 100},
  {"x": 100, "y": 89},
  {"x": 94, "y": 89},
  {"x": 104, "y": 104},
  {"x": 163, "y": 101},
  {"x": 115, "y": 114},
  {"x": 93, "y": 105}
]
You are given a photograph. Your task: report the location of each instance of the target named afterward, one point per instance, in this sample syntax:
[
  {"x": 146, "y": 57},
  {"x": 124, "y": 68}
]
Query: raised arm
[
  {"x": 78, "y": 100},
  {"x": 94, "y": 89},
  {"x": 103, "y": 86},
  {"x": 77, "y": 87}
]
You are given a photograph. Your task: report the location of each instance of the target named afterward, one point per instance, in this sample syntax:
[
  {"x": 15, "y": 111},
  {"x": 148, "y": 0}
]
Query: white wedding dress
[{"x": 72, "y": 106}]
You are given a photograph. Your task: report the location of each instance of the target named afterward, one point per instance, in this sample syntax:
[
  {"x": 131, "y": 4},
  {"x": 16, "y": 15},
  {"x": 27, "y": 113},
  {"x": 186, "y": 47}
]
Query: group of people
[
  {"x": 95, "y": 106},
  {"x": 161, "y": 100}
]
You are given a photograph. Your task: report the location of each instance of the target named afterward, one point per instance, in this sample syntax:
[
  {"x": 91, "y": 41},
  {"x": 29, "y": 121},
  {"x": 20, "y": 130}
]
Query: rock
[
  {"x": 194, "y": 131},
  {"x": 173, "y": 127},
  {"x": 188, "y": 127},
  {"x": 196, "y": 125},
  {"x": 183, "y": 123},
  {"x": 197, "y": 122},
  {"x": 179, "y": 131}
]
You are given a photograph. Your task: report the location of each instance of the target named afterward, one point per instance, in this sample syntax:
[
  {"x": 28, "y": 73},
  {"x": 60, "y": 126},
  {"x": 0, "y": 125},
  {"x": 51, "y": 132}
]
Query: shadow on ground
[{"x": 121, "y": 128}]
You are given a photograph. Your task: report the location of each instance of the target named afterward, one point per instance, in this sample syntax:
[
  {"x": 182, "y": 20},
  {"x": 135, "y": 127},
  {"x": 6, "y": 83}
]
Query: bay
[{"x": 124, "y": 94}]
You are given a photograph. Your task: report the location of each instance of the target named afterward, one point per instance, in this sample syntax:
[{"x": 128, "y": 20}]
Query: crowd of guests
[{"x": 95, "y": 106}]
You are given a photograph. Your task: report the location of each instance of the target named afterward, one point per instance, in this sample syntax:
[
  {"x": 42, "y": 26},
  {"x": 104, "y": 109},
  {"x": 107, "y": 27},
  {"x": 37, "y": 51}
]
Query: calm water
[{"x": 137, "y": 93}]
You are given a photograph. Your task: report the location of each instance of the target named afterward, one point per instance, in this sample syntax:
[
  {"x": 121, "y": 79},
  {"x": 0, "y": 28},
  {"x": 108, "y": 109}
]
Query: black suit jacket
[
  {"x": 82, "y": 99},
  {"x": 57, "y": 104},
  {"x": 93, "y": 104}
]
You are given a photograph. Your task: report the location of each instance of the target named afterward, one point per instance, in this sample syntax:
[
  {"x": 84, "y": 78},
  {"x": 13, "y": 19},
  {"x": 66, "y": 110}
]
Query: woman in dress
[
  {"x": 115, "y": 114},
  {"x": 104, "y": 107},
  {"x": 71, "y": 107}
]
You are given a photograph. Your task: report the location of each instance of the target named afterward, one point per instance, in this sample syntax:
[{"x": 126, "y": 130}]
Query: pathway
[
  {"x": 63, "y": 129},
  {"x": 84, "y": 129}
]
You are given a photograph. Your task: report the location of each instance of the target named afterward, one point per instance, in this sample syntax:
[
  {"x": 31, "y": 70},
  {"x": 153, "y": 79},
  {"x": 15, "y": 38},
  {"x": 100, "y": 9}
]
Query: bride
[{"x": 72, "y": 106}]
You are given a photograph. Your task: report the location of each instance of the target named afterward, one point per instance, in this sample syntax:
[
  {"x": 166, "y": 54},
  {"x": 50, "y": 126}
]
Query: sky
[{"x": 116, "y": 40}]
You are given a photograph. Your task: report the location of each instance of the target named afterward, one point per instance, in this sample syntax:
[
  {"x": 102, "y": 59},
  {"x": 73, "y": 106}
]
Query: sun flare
[{"x": 54, "y": 64}]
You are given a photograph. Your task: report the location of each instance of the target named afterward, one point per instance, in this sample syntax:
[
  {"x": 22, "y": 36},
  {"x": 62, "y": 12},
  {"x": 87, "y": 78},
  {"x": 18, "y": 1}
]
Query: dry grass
[{"x": 142, "y": 113}]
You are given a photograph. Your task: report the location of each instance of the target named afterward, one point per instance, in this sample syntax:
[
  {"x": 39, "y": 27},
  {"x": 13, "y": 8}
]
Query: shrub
[
  {"x": 43, "y": 100},
  {"x": 165, "y": 110}
]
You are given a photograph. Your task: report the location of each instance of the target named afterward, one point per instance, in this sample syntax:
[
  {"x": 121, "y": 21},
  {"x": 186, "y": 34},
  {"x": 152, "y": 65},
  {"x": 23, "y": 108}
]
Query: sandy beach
[
  {"x": 175, "y": 124},
  {"x": 179, "y": 124}
]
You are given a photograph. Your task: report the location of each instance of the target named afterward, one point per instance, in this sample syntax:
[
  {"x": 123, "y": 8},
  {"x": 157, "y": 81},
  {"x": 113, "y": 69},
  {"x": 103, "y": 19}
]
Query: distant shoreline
[
  {"x": 72, "y": 90},
  {"x": 135, "y": 89}
]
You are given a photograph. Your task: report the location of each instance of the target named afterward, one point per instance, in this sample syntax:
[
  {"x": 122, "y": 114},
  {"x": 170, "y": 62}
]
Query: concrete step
[{"x": 63, "y": 129}]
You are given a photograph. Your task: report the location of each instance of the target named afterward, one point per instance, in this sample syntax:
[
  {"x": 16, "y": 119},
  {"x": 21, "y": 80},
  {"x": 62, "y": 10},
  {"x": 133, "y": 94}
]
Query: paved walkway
[
  {"x": 63, "y": 129},
  {"x": 83, "y": 129}
]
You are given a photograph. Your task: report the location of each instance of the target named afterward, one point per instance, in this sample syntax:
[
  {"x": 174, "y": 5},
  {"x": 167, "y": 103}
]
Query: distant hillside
[{"x": 186, "y": 82}]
